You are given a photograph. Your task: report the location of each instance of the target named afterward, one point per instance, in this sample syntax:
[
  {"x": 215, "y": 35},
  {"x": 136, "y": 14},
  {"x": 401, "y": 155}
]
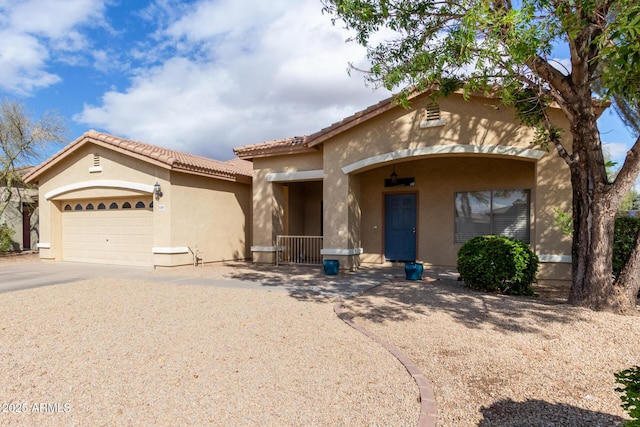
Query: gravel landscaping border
[{"x": 497, "y": 360}]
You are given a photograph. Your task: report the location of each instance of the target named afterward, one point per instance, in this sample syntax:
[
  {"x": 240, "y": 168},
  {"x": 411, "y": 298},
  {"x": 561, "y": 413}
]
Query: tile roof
[
  {"x": 171, "y": 159},
  {"x": 309, "y": 143},
  {"x": 350, "y": 121},
  {"x": 296, "y": 144},
  {"x": 243, "y": 165}
]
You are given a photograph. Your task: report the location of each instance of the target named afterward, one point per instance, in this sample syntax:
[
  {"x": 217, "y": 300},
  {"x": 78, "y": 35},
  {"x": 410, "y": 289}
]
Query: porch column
[
  {"x": 268, "y": 217},
  {"x": 341, "y": 218}
]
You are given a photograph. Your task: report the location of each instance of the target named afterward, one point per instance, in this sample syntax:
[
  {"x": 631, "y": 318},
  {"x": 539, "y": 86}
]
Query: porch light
[
  {"x": 157, "y": 190},
  {"x": 394, "y": 177}
]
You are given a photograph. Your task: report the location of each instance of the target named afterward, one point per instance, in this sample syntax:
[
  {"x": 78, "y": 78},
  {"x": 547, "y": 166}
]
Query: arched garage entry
[{"x": 108, "y": 231}]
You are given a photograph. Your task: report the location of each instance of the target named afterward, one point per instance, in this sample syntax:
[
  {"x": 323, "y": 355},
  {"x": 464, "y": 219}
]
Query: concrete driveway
[{"x": 30, "y": 272}]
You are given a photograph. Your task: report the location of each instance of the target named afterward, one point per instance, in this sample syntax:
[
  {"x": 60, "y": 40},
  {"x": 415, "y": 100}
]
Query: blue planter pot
[
  {"x": 413, "y": 270},
  {"x": 331, "y": 266}
]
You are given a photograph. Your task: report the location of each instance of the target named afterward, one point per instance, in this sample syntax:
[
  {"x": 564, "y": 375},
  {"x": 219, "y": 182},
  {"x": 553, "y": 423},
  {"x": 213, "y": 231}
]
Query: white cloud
[
  {"x": 32, "y": 31},
  {"x": 561, "y": 64},
  {"x": 54, "y": 18},
  {"x": 615, "y": 151},
  {"x": 23, "y": 63},
  {"x": 239, "y": 75}
]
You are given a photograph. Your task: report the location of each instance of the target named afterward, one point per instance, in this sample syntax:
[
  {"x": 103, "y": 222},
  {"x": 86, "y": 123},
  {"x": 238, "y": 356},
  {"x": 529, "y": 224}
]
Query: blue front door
[{"x": 400, "y": 227}]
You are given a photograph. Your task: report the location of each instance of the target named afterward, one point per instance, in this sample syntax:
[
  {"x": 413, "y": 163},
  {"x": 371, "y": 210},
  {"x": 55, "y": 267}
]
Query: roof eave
[
  {"x": 232, "y": 177},
  {"x": 356, "y": 119},
  {"x": 278, "y": 151}
]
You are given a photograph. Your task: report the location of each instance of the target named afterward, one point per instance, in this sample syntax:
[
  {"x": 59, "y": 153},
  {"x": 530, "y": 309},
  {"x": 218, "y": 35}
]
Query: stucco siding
[
  {"x": 436, "y": 182},
  {"x": 194, "y": 211},
  {"x": 474, "y": 145},
  {"x": 80, "y": 167},
  {"x": 478, "y": 121},
  {"x": 210, "y": 215}
]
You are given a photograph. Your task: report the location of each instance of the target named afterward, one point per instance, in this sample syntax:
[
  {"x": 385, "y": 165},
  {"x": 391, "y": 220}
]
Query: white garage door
[{"x": 108, "y": 236}]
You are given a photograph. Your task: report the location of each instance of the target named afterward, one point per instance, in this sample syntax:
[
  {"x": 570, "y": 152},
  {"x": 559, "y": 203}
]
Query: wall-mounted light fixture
[
  {"x": 394, "y": 176},
  {"x": 157, "y": 190}
]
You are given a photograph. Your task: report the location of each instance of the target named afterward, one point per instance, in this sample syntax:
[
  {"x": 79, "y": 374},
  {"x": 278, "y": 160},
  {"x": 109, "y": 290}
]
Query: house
[
  {"x": 390, "y": 184},
  {"x": 105, "y": 199},
  {"x": 19, "y": 211}
]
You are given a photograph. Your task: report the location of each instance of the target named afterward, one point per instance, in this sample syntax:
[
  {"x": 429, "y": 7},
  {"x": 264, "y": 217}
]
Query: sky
[{"x": 199, "y": 76}]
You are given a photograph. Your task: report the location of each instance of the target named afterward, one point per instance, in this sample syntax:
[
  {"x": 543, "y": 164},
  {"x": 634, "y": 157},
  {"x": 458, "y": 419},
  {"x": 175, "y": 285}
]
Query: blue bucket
[
  {"x": 413, "y": 271},
  {"x": 331, "y": 266}
]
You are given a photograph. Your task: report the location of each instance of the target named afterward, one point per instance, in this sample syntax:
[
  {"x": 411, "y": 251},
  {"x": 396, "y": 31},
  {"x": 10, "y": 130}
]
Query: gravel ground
[
  {"x": 498, "y": 360},
  {"x": 140, "y": 353},
  {"x": 114, "y": 352}
]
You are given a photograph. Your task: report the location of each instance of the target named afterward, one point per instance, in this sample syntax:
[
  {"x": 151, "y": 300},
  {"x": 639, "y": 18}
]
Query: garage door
[{"x": 107, "y": 236}]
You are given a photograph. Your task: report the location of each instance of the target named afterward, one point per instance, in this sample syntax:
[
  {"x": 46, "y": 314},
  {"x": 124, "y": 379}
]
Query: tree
[
  {"x": 629, "y": 201},
  {"x": 22, "y": 141},
  {"x": 505, "y": 48}
]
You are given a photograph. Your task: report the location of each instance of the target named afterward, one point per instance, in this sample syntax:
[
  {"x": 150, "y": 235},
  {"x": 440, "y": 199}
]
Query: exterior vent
[
  {"x": 96, "y": 164},
  {"x": 432, "y": 117},
  {"x": 432, "y": 112}
]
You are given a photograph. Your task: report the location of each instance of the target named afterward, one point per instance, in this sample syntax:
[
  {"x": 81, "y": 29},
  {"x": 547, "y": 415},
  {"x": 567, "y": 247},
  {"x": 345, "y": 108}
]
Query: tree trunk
[
  {"x": 595, "y": 205},
  {"x": 628, "y": 281}
]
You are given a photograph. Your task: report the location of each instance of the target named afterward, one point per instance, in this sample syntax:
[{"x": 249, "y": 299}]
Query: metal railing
[{"x": 299, "y": 250}]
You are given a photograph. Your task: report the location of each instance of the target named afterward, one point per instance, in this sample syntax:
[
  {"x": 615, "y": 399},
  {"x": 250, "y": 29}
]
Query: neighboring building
[
  {"x": 395, "y": 184},
  {"x": 105, "y": 199},
  {"x": 20, "y": 212}
]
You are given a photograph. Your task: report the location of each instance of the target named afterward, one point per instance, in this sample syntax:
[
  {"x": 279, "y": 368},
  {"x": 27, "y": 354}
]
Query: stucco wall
[
  {"x": 12, "y": 216},
  {"x": 478, "y": 145},
  {"x": 436, "y": 182},
  {"x": 304, "y": 208},
  {"x": 193, "y": 211},
  {"x": 211, "y": 215},
  {"x": 78, "y": 168},
  {"x": 270, "y": 202}
]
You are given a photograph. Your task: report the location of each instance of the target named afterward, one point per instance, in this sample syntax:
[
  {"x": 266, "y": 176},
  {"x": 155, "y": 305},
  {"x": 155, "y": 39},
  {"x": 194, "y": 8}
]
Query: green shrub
[
  {"x": 497, "y": 263},
  {"x": 630, "y": 380},
  {"x": 624, "y": 237},
  {"x": 6, "y": 238}
]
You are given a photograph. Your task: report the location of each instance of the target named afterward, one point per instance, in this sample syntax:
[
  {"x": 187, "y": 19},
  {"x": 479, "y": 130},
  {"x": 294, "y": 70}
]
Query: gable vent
[
  {"x": 96, "y": 164},
  {"x": 432, "y": 112},
  {"x": 432, "y": 116}
]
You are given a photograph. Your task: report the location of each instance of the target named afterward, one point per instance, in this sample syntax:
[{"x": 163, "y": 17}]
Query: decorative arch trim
[
  {"x": 495, "y": 150},
  {"x": 100, "y": 183}
]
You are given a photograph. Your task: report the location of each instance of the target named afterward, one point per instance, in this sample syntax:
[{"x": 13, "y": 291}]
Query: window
[
  {"x": 140, "y": 205},
  {"x": 501, "y": 212},
  {"x": 113, "y": 205},
  {"x": 126, "y": 205},
  {"x": 101, "y": 206},
  {"x": 67, "y": 208},
  {"x": 78, "y": 207},
  {"x": 89, "y": 207}
]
